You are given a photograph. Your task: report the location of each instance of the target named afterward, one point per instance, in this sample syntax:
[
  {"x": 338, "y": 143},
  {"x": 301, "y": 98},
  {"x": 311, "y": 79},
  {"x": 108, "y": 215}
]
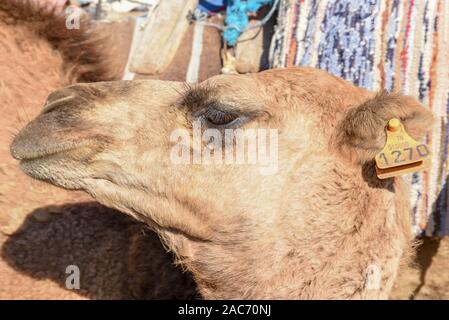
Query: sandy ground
[
  {"x": 427, "y": 276},
  {"x": 44, "y": 229}
]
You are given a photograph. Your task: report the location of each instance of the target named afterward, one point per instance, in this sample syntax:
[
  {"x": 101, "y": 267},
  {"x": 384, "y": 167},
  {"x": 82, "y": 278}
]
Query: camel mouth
[
  {"x": 56, "y": 157},
  {"x": 28, "y": 147},
  {"x": 58, "y": 164}
]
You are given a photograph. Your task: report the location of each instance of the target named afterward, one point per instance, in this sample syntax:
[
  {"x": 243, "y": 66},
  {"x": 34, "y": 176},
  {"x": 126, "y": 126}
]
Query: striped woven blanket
[{"x": 399, "y": 45}]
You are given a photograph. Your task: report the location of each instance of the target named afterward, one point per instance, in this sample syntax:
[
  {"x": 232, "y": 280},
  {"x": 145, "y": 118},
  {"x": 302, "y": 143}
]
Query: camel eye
[{"x": 220, "y": 118}]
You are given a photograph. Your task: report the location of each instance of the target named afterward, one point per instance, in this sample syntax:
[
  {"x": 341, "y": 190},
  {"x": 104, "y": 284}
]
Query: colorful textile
[{"x": 399, "y": 45}]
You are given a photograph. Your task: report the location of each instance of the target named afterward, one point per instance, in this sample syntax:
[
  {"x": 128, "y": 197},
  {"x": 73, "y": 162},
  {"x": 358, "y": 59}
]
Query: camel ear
[{"x": 360, "y": 135}]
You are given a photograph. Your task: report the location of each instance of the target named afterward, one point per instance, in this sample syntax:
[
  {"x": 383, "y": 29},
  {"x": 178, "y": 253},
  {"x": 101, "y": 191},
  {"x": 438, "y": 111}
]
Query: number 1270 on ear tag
[{"x": 401, "y": 154}]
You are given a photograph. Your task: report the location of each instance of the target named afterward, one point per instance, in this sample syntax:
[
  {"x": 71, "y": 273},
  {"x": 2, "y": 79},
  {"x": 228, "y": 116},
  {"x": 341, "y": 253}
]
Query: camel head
[{"x": 306, "y": 218}]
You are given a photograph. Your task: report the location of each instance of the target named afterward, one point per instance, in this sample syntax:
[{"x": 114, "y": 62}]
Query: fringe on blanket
[{"x": 399, "y": 45}]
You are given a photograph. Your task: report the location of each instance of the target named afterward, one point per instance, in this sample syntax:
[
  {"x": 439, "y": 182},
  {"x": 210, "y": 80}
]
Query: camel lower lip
[
  {"x": 41, "y": 155},
  {"x": 42, "y": 159},
  {"x": 25, "y": 148}
]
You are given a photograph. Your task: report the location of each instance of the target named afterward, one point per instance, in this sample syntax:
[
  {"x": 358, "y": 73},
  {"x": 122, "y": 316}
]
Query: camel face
[
  {"x": 117, "y": 141},
  {"x": 157, "y": 151}
]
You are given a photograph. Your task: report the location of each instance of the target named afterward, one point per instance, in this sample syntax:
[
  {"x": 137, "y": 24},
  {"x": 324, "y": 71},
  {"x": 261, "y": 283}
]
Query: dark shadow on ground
[
  {"x": 440, "y": 211},
  {"x": 118, "y": 257},
  {"x": 425, "y": 253},
  {"x": 430, "y": 245}
]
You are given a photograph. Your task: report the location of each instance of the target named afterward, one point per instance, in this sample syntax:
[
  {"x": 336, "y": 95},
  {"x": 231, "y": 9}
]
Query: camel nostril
[
  {"x": 58, "y": 98},
  {"x": 52, "y": 104},
  {"x": 61, "y": 93},
  {"x": 76, "y": 97}
]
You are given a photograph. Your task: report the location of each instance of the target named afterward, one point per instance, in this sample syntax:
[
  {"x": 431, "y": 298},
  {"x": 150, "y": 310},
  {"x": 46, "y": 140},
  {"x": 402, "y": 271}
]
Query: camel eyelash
[
  {"x": 202, "y": 104},
  {"x": 197, "y": 97}
]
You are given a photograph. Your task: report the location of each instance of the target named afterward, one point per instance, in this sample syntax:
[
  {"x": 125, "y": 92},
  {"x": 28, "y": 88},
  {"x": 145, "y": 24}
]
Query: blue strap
[{"x": 237, "y": 17}]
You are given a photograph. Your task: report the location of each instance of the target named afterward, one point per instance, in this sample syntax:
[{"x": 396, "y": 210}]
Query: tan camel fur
[
  {"x": 315, "y": 229},
  {"x": 43, "y": 229}
]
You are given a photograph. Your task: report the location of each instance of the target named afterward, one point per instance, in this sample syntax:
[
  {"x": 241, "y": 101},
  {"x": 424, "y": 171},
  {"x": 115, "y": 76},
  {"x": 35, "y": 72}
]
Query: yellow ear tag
[{"x": 401, "y": 154}]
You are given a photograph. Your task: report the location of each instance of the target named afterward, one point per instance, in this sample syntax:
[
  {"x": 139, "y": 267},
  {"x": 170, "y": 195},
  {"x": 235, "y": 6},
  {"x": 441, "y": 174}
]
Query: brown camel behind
[
  {"x": 40, "y": 232},
  {"x": 320, "y": 227}
]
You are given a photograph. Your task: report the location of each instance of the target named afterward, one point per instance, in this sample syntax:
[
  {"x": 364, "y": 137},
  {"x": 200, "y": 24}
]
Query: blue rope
[{"x": 237, "y": 17}]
